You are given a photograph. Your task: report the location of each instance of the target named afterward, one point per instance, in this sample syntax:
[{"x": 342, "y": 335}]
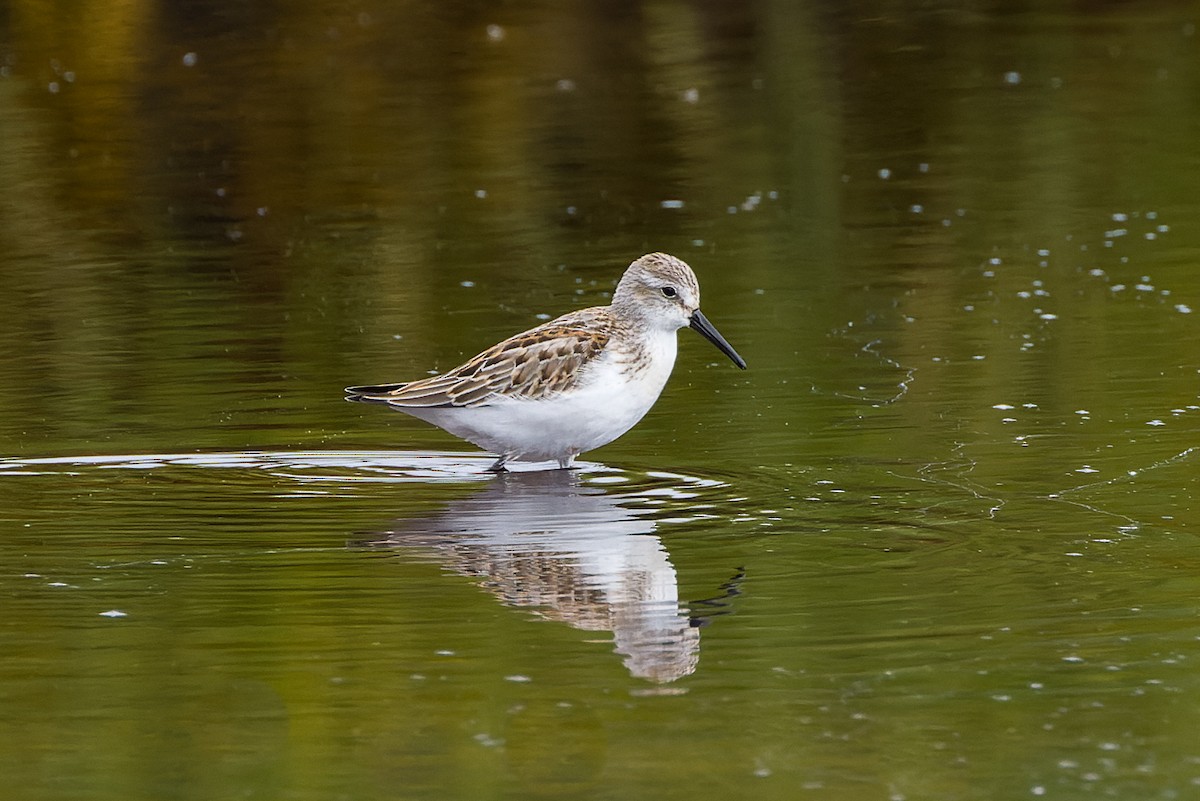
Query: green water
[{"x": 939, "y": 542}]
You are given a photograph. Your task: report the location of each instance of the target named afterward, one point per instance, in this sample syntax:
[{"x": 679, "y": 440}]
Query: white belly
[{"x": 610, "y": 402}]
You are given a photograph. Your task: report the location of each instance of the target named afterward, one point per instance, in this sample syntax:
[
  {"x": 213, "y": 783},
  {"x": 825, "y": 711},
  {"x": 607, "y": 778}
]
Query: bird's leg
[
  {"x": 498, "y": 466},
  {"x": 567, "y": 462}
]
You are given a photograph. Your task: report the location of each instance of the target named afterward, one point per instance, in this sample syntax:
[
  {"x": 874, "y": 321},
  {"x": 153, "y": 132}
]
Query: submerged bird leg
[
  {"x": 566, "y": 462},
  {"x": 498, "y": 466}
]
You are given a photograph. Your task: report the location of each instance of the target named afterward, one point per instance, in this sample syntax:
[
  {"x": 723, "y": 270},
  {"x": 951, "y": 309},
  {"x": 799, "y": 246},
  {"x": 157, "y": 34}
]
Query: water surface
[{"x": 937, "y": 543}]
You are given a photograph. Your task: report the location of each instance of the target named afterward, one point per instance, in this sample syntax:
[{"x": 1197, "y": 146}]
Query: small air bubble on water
[{"x": 190, "y": 59}]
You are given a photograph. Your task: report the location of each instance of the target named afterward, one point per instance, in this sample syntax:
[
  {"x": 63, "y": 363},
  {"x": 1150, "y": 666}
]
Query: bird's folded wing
[{"x": 536, "y": 364}]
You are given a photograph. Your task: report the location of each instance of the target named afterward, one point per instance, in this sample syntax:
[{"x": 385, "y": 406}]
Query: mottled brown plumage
[{"x": 533, "y": 365}]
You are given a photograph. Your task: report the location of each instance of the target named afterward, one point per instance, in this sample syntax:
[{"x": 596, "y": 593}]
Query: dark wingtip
[
  {"x": 370, "y": 393},
  {"x": 372, "y": 389}
]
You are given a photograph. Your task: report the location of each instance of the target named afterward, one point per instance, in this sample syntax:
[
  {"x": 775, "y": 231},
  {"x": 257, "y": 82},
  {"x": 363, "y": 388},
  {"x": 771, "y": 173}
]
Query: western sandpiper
[{"x": 569, "y": 385}]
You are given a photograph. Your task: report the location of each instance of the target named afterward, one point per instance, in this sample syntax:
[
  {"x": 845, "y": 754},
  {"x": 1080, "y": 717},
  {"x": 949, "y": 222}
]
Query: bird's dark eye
[{"x": 669, "y": 291}]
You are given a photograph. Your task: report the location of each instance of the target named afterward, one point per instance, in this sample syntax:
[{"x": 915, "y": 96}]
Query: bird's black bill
[{"x": 701, "y": 324}]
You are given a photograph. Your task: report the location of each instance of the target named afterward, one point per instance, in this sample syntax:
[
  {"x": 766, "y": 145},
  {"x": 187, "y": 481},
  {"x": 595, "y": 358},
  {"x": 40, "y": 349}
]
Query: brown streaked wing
[
  {"x": 532, "y": 365},
  {"x": 550, "y": 361}
]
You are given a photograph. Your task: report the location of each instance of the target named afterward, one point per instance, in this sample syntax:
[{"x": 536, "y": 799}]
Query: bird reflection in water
[{"x": 571, "y": 551}]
